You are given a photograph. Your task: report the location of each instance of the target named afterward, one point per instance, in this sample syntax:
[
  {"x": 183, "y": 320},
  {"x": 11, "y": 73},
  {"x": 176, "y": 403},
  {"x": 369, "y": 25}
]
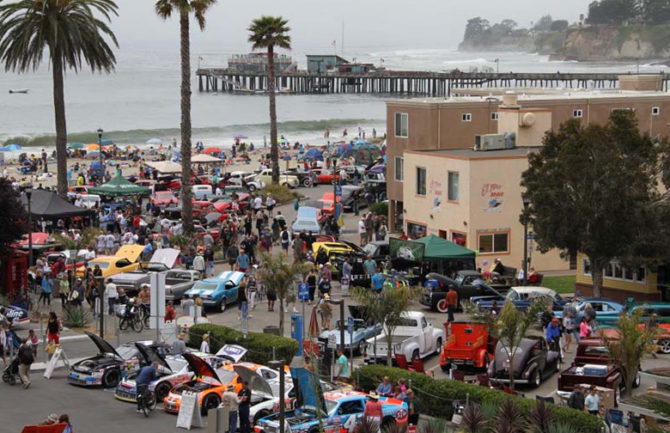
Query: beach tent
[
  {"x": 439, "y": 249},
  {"x": 49, "y": 205},
  {"x": 313, "y": 154},
  {"x": 210, "y": 150},
  {"x": 76, "y": 145},
  {"x": 165, "y": 167},
  {"x": 118, "y": 187},
  {"x": 156, "y": 141},
  {"x": 201, "y": 158},
  {"x": 363, "y": 153}
]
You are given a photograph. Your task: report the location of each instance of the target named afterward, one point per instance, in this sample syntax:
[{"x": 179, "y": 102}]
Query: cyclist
[{"x": 144, "y": 377}]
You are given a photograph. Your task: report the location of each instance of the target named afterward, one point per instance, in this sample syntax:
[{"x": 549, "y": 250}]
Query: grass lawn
[{"x": 562, "y": 284}]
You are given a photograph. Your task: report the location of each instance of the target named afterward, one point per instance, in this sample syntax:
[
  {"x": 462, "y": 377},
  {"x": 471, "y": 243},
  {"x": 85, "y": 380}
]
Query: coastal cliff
[{"x": 616, "y": 43}]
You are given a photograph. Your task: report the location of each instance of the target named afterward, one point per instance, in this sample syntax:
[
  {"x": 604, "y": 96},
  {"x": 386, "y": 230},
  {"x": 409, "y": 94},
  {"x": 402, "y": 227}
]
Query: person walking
[
  {"x": 342, "y": 371},
  {"x": 111, "y": 294},
  {"x": 361, "y": 231},
  {"x": 231, "y": 402},
  {"x": 179, "y": 346},
  {"x": 567, "y": 328},
  {"x": 576, "y": 399},
  {"x": 554, "y": 334},
  {"x": 584, "y": 328},
  {"x": 244, "y": 397},
  {"x": 242, "y": 299},
  {"x": 199, "y": 261},
  {"x": 45, "y": 293},
  {"x": 345, "y": 280},
  {"x": 63, "y": 289},
  {"x": 243, "y": 261},
  {"x": 592, "y": 401},
  {"x": 54, "y": 327},
  {"x": 26, "y": 359},
  {"x": 311, "y": 284},
  {"x": 452, "y": 303}
]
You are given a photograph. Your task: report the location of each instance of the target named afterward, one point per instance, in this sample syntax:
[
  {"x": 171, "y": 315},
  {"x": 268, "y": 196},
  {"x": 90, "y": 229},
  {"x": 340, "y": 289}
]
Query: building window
[
  {"x": 493, "y": 243},
  {"x": 401, "y": 125},
  {"x": 459, "y": 238},
  {"x": 655, "y": 111},
  {"x": 399, "y": 167},
  {"x": 466, "y": 117},
  {"x": 578, "y": 113},
  {"x": 494, "y": 115},
  {"x": 416, "y": 231},
  {"x": 452, "y": 193},
  {"x": 420, "y": 181},
  {"x": 586, "y": 266}
]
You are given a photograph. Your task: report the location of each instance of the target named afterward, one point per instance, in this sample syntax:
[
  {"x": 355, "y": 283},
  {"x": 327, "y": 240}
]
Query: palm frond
[{"x": 269, "y": 31}]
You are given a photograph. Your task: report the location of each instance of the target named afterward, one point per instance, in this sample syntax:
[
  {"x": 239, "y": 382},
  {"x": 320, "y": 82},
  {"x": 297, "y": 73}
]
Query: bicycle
[
  {"x": 147, "y": 401},
  {"x": 132, "y": 319}
]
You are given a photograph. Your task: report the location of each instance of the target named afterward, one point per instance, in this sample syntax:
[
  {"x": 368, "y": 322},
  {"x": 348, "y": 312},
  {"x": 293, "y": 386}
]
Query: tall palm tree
[
  {"x": 75, "y": 33},
  {"x": 165, "y": 9},
  {"x": 268, "y": 32}
]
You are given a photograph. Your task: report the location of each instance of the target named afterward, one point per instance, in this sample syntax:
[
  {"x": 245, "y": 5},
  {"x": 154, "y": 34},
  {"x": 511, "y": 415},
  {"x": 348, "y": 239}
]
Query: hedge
[
  {"x": 370, "y": 376},
  {"x": 259, "y": 346}
]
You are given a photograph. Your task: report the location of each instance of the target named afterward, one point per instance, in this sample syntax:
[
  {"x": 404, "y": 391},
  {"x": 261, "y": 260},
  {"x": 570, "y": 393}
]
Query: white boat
[{"x": 18, "y": 90}]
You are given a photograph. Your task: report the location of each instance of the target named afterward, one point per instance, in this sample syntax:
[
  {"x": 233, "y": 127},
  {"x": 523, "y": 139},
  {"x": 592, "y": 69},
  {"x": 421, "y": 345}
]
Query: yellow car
[
  {"x": 333, "y": 248},
  {"x": 125, "y": 260}
]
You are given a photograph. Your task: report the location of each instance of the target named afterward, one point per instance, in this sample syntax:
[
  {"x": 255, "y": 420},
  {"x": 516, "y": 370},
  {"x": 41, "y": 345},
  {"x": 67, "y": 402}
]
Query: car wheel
[
  {"x": 637, "y": 380},
  {"x": 416, "y": 354},
  {"x": 210, "y": 401},
  {"x": 360, "y": 348},
  {"x": 536, "y": 379},
  {"x": 664, "y": 346},
  {"x": 111, "y": 378},
  {"x": 162, "y": 391},
  {"x": 442, "y": 306},
  {"x": 261, "y": 414},
  {"x": 251, "y": 188},
  {"x": 438, "y": 347},
  {"x": 222, "y": 305},
  {"x": 307, "y": 182}
]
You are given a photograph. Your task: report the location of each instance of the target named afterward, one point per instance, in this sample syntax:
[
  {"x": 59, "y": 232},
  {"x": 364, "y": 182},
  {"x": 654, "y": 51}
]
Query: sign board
[
  {"x": 338, "y": 190},
  {"x": 157, "y": 280},
  {"x": 408, "y": 250},
  {"x": 51, "y": 365},
  {"x": 332, "y": 342},
  {"x": 350, "y": 325},
  {"x": 189, "y": 411},
  {"x": 303, "y": 291}
]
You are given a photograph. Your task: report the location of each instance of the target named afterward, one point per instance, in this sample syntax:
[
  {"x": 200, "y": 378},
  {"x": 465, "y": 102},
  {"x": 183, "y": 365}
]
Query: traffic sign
[
  {"x": 303, "y": 291},
  {"x": 350, "y": 325}
]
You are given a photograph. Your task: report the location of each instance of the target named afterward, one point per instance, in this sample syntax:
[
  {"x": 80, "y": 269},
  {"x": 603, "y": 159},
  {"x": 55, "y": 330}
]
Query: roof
[
  {"x": 49, "y": 205},
  {"x": 165, "y": 167},
  {"x": 202, "y": 158},
  {"x": 438, "y": 248},
  {"x": 533, "y": 289},
  {"x": 470, "y": 154},
  {"x": 119, "y": 186}
]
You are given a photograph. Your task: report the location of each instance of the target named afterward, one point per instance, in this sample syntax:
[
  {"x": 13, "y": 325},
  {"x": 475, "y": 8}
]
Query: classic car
[
  {"x": 324, "y": 175},
  {"x": 533, "y": 361},
  {"x": 353, "y": 194},
  {"x": 17, "y": 316},
  {"x": 174, "y": 371},
  {"x": 607, "y": 311},
  {"x": 163, "y": 199},
  {"x": 218, "y": 292},
  {"x": 284, "y": 179},
  {"x": 339, "y": 409},
  {"x": 178, "y": 281},
  {"x": 362, "y": 331},
  {"x": 105, "y": 367},
  {"x": 521, "y": 297},
  {"x": 378, "y": 250},
  {"x": 307, "y": 220},
  {"x": 468, "y": 345},
  {"x": 244, "y": 179},
  {"x": 73, "y": 258},
  {"x": 125, "y": 260},
  {"x": 306, "y": 178},
  {"x": 200, "y": 232},
  {"x": 661, "y": 309},
  {"x": 466, "y": 284}
]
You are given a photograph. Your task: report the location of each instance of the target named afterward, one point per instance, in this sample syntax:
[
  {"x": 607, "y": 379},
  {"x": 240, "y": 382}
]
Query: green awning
[
  {"x": 118, "y": 187},
  {"x": 438, "y": 248}
]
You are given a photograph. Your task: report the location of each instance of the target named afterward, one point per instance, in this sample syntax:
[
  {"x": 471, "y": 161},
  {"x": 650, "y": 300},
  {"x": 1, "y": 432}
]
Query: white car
[
  {"x": 89, "y": 201},
  {"x": 288, "y": 180},
  {"x": 242, "y": 178}
]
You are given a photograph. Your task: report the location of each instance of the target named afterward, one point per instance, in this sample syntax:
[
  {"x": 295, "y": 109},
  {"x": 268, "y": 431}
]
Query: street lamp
[
  {"x": 100, "y": 154},
  {"x": 526, "y": 205},
  {"x": 335, "y": 184},
  {"x": 101, "y": 298},
  {"x": 29, "y": 194},
  {"x": 279, "y": 366}
]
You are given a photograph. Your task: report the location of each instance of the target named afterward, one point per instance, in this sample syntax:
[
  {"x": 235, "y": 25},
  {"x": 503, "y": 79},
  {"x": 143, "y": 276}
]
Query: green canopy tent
[
  {"x": 119, "y": 187},
  {"x": 445, "y": 257}
]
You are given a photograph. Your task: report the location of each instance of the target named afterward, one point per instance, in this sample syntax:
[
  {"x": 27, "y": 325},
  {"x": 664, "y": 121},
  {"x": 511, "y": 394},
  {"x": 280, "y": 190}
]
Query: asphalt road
[{"x": 96, "y": 410}]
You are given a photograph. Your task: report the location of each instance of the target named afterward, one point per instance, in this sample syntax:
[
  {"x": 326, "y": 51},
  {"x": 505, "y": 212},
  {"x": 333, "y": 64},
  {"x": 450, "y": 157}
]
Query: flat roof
[{"x": 470, "y": 153}]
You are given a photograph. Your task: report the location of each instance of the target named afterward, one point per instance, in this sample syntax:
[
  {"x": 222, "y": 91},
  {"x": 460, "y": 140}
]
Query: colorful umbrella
[
  {"x": 156, "y": 141},
  {"x": 92, "y": 146},
  {"x": 313, "y": 330},
  {"x": 12, "y": 147},
  {"x": 76, "y": 145},
  {"x": 210, "y": 150}
]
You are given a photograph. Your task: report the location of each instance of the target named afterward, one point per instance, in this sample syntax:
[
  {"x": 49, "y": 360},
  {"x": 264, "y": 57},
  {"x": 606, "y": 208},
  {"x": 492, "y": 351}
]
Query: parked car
[
  {"x": 534, "y": 361},
  {"x": 466, "y": 284},
  {"x": 469, "y": 344},
  {"x": 413, "y": 337},
  {"x": 202, "y": 192},
  {"x": 284, "y": 179},
  {"x": 363, "y": 330},
  {"x": 178, "y": 282},
  {"x": 353, "y": 194},
  {"x": 661, "y": 309},
  {"x": 324, "y": 175},
  {"x": 307, "y": 219},
  {"x": 607, "y": 311},
  {"x": 125, "y": 260},
  {"x": 378, "y": 250},
  {"x": 245, "y": 180},
  {"x": 89, "y": 201},
  {"x": 163, "y": 199},
  {"x": 521, "y": 297},
  {"x": 306, "y": 178},
  {"x": 218, "y": 292}
]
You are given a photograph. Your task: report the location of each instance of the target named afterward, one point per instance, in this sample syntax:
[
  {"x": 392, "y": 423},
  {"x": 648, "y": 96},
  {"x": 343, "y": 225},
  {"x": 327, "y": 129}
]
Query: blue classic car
[
  {"x": 362, "y": 331},
  {"x": 339, "y": 409},
  {"x": 607, "y": 311},
  {"x": 218, "y": 292}
]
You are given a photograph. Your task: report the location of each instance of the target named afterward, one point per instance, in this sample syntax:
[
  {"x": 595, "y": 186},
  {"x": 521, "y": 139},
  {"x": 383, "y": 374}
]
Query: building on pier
[{"x": 257, "y": 63}]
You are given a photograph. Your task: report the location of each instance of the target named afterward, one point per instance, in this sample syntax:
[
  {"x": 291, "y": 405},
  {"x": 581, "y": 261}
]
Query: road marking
[
  {"x": 73, "y": 337},
  {"x": 38, "y": 366}
]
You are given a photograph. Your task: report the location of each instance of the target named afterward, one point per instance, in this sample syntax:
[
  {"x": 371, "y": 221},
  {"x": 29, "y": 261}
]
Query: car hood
[
  {"x": 165, "y": 256},
  {"x": 130, "y": 252},
  {"x": 150, "y": 354},
  {"x": 103, "y": 345},
  {"x": 200, "y": 367},
  {"x": 308, "y": 388},
  {"x": 234, "y": 276},
  {"x": 256, "y": 382},
  {"x": 232, "y": 352},
  {"x": 501, "y": 360}
]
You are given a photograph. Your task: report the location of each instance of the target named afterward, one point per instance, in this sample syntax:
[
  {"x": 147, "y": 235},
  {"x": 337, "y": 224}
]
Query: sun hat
[
  {"x": 52, "y": 418},
  {"x": 373, "y": 395}
]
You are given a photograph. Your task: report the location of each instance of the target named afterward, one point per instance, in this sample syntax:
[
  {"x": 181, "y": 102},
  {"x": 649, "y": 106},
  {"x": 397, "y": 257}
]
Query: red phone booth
[{"x": 14, "y": 274}]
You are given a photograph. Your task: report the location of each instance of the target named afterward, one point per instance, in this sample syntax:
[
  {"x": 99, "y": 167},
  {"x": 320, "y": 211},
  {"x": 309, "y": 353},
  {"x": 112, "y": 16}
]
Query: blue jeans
[
  {"x": 111, "y": 301},
  {"x": 245, "y": 425},
  {"x": 232, "y": 421}
]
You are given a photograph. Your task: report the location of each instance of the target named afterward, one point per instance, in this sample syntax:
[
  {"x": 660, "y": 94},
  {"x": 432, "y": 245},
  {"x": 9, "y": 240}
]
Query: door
[
  {"x": 426, "y": 336},
  {"x": 442, "y": 234}
]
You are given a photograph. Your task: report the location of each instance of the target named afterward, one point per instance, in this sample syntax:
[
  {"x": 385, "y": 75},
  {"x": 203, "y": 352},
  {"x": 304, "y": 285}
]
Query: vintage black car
[
  {"x": 433, "y": 293},
  {"x": 533, "y": 362}
]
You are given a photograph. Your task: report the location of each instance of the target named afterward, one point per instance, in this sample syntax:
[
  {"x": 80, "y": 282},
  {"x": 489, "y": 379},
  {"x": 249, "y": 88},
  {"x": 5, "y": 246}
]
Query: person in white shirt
[
  {"x": 258, "y": 203},
  {"x": 204, "y": 346},
  {"x": 112, "y": 294},
  {"x": 165, "y": 224},
  {"x": 90, "y": 253},
  {"x": 100, "y": 245},
  {"x": 218, "y": 191},
  {"x": 109, "y": 243},
  {"x": 361, "y": 231}
]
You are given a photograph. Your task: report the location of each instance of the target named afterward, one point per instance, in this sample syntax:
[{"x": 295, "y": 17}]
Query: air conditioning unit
[{"x": 489, "y": 142}]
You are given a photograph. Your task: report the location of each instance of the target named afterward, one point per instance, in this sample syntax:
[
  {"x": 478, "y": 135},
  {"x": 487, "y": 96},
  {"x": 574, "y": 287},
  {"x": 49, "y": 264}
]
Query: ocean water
[{"x": 140, "y": 100}]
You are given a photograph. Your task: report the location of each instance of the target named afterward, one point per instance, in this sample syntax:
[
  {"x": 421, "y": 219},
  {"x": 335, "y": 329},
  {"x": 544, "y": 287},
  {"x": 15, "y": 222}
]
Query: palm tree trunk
[
  {"x": 281, "y": 316},
  {"x": 61, "y": 126},
  {"x": 186, "y": 193},
  {"x": 597, "y": 276},
  {"x": 274, "y": 147}
]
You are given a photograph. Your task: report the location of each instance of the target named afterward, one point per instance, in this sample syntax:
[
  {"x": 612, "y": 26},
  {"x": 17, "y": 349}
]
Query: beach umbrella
[
  {"x": 76, "y": 145},
  {"x": 12, "y": 147},
  {"x": 93, "y": 154},
  {"x": 4, "y": 149},
  {"x": 154, "y": 140},
  {"x": 92, "y": 146},
  {"x": 106, "y": 142},
  {"x": 210, "y": 150},
  {"x": 241, "y": 137}
]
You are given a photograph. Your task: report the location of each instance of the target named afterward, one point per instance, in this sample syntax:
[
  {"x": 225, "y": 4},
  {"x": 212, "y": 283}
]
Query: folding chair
[
  {"x": 401, "y": 360},
  {"x": 458, "y": 375},
  {"x": 483, "y": 380}
]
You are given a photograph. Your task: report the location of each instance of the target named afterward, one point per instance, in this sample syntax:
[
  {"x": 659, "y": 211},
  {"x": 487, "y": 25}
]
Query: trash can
[{"x": 273, "y": 330}]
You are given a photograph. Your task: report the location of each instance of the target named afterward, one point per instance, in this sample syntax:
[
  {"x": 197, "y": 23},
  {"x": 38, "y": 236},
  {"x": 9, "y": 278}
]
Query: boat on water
[{"x": 18, "y": 90}]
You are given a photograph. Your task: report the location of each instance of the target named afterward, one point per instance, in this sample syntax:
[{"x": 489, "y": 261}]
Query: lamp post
[
  {"x": 29, "y": 195},
  {"x": 279, "y": 366},
  {"x": 102, "y": 172},
  {"x": 526, "y": 204},
  {"x": 101, "y": 302},
  {"x": 341, "y": 304},
  {"x": 335, "y": 184}
]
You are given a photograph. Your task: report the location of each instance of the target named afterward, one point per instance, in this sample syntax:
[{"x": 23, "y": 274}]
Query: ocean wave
[{"x": 139, "y": 136}]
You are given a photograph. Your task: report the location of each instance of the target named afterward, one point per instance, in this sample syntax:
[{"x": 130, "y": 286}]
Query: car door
[
  {"x": 427, "y": 336},
  {"x": 350, "y": 412}
]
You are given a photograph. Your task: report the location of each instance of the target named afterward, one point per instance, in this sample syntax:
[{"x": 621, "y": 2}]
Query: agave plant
[
  {"x": 432, "y": 425},
  {"x": 561, "y": 428},
  {"x": 541, "y": 417},
  {"x": 366, "y": 425},
  {"x": 473, "y": 419},
  {"x": 394, "y": 428},
  {"x": 511, "y": 417},
  {"x": 75, "y": 316},
  {"x": 490, "y": 410}
]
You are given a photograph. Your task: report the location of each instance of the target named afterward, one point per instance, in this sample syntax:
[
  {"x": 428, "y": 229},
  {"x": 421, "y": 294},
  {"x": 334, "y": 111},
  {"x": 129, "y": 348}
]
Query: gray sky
[{"x": 370, "y": 25}]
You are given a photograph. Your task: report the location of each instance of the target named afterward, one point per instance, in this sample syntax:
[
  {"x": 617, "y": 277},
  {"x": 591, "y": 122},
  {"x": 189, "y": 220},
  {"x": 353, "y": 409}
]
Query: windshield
[
  {"x": 513, "y": 295},
  {"x": 370, "y": 249},
  {"x": 330, "y": 406},
  {"x": 459, "y": 279},
  {"x": 226, "y": 376},
  {"x": 204, "y": 286},
  {"x": 103, "y": 265},
  {"x": 176, "y": 364},
  {"x": 126, "y": 352}
]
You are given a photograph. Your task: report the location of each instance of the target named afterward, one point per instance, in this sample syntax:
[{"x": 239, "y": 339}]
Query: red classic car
[
  {"x": 164, "y": 199},
  {"x": 323, "y": 175},
  {"x": 469, "y": 344}
]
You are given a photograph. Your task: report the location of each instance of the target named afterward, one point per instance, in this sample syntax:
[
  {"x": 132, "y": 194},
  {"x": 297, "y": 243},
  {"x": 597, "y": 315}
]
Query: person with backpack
[
  {"x": 285, "y": 240},
  {"x": 26, "y": 359},
  {"x": 381, "y": 231}
]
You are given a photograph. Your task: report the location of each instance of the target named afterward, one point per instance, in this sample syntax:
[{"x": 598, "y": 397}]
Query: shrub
[
  {"x": 380, "y": 208},
  {"x": 280, "y": 193},
  {"x": 259, "y": 345},
  {"x": 371, "y": 375},
  {"x": 75, "y": 316}
]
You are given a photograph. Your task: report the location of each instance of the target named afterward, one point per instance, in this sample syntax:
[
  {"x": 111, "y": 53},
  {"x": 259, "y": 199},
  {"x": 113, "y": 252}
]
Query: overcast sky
[{"x": 369, "y": 25}]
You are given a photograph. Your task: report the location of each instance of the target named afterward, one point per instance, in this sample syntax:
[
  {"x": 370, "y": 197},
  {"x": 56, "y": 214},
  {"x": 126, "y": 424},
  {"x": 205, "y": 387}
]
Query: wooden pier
[{"x": 400, "y": 82}]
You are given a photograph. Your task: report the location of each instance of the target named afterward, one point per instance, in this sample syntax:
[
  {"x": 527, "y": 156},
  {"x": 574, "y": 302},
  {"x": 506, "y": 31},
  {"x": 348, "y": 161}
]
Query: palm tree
[
  {"x": 268, "y": 32},
  {"x": 74, "y": 32},
  {"x": 165, "y": 9}
]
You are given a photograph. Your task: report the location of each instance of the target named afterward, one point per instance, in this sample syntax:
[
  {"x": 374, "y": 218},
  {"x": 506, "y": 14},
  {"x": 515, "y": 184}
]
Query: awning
[
  {"x": 49, "y": 205},
  {"x": 118, "y": 187},
  {"x": 201, "y": 158},
  {"x": 165, "y": 167},
  {"x": 438, "y": 248}
]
